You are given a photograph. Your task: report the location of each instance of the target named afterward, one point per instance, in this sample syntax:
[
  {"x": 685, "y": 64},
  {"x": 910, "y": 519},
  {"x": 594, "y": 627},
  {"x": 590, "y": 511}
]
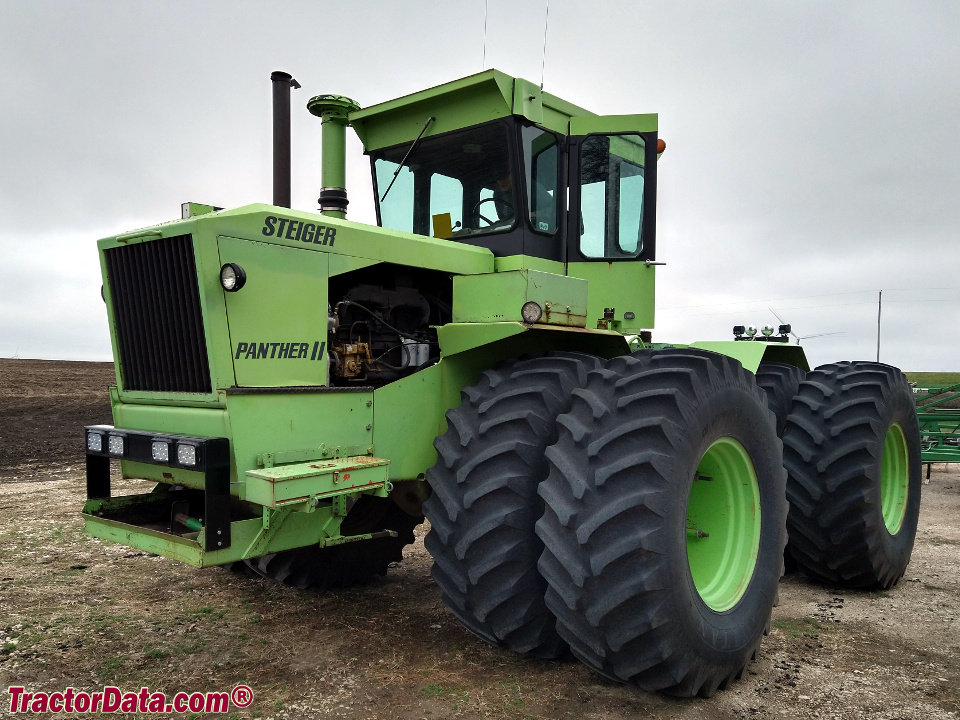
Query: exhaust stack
[
  {"x": 334, "y": 112},
  {"x": 282, "y": 82}
]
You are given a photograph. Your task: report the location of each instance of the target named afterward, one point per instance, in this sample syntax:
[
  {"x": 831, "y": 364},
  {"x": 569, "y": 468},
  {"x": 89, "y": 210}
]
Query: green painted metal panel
[
  {"x": 320, "y": 421},
  {"x": 627, "y": 287},
  {"x": 172, "y": 419},
  {"x": 340, "y": 264},
  {"x": 557, "y": 113},
  {"x": 498, "y": 297},
  {"x": 253, "y": 222},
  {"x": 457, "y": 337},
  {"x": 315, "y": 424},
  {"x": 277, "y": 530},
  {"x": 278, "y": 319},
  {"x": 751, "y": 353},
  {"x": 213, "y": 304},
  {"x": 407, "y": 416},
  {"x": 585, "y": 125},
  {"x": 271, "y": 224},
  {"x": 192, "y": 209},
  {"x": 528, "y": 100},
  {"x": 162, "y": 473},
  {"x": 469, "y": 101},
  {"x": 524, "y": 339},
  {"x": 300, "y": 482},
  {"x": 520, "y": 262},
  {"x": 748, "y": 353},
  {"x": 111, "y": 320}
]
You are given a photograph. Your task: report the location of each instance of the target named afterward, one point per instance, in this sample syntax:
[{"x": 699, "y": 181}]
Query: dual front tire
[
  {"x": 646, "y": 533},
  {"x": 664, "y": 521},
  {"x": 484, "y": 503}
]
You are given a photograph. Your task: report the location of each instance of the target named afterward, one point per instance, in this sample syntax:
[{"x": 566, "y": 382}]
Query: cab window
[
  {"x": 541, "y": 154},
  {"x": 451, "y": 185},
  {"x": 611, "y": 196}
]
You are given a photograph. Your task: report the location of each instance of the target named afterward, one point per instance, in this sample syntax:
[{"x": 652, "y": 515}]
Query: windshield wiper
[{"x": 404, "y": 161}]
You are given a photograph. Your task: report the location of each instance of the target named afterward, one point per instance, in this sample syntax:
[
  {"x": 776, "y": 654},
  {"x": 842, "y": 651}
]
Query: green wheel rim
[
  {"x": 894, "y": 479},
  {"x": 723, "y": 524}
]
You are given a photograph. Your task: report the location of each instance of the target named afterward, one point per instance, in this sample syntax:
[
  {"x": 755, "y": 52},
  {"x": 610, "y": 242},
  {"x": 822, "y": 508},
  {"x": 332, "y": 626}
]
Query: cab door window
[
  {"x": 541, "y": 154},
  {"x": 611, "y": 196}
]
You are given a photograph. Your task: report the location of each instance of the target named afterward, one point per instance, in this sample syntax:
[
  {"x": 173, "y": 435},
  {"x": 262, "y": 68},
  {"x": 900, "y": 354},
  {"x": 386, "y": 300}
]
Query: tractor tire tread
[
  {"x": 832, "y": 450},
  {"x": 485, "y": 503}
]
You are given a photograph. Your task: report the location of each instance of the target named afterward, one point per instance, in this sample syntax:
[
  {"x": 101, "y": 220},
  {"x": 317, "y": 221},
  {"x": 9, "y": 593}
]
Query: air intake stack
[{"x": 333, "y": 111}]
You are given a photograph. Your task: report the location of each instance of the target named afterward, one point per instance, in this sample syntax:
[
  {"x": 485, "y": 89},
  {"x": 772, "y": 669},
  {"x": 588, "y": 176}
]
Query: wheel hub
[
  {"x": 723, "y": 524},
  {"x": 894, "y": 479}
]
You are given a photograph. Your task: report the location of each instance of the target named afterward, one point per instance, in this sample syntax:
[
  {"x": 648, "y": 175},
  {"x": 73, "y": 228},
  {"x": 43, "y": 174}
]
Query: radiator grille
[{"x": 156, "y": 306}]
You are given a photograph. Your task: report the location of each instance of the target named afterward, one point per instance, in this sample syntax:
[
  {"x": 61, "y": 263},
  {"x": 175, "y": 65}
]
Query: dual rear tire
[{"x": 852, "y": 452}]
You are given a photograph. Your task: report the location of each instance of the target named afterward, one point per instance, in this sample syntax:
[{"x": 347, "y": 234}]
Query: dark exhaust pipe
[{"x": 282, "y": 82}]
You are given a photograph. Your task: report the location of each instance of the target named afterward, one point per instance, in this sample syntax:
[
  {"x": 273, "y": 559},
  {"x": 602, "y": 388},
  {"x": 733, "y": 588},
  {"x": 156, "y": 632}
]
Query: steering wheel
[{"x": 499, "y": 203}]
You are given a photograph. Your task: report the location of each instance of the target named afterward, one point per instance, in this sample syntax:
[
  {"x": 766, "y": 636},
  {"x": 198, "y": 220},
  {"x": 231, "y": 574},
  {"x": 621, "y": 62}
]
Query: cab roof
[{"x": 472, "y": 100}]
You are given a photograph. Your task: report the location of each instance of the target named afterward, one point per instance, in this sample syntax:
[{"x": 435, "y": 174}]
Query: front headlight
[
  {"x": 94, "y": 442},
  {"x": 186, "y": 454},
  {"x": 531, "y": 312},
  {"x": 160, "y": 451},
  {"x": 115, "y": 445},
  {"x": 232, "y": 277}
]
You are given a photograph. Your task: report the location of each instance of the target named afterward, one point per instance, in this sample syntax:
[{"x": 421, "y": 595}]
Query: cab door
[{"x": 611, "y": 223}]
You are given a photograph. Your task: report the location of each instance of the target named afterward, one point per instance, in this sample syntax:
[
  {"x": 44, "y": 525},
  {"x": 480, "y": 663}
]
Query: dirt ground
[{"x": 77, "y": 612}]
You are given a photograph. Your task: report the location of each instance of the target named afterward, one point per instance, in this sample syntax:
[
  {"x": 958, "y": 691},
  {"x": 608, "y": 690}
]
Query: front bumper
[
  {"x": 210, "y": 456},
  {"x": 275, "y": 508}
]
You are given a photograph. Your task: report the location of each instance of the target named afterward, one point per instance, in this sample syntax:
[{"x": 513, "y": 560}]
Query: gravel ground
[{"x": 78, "y": 612}]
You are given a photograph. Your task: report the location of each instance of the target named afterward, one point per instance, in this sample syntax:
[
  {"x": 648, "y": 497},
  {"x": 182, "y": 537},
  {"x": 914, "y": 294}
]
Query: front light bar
[{"x": 210, "y": 456}]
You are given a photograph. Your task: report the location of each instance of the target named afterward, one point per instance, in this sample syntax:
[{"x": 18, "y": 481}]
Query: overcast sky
[{"x": 812, "y": 157}]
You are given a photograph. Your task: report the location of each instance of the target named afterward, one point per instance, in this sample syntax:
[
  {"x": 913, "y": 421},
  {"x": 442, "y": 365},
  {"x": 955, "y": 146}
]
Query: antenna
[
  {"x": 543, "y": 61},
  {"x": 486, "y": 4},
  {"x": 783, "y": 323},
  {"x": 798, "y": 338},
  {"x": 818, "y": 335}
]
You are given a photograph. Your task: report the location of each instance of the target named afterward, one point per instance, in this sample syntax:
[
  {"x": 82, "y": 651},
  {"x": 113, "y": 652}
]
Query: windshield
[{"x": 453, "y": 185}]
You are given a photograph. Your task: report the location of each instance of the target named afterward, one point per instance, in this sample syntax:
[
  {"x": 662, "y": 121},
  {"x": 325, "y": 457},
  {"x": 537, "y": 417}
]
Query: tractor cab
[{"x": 495, "y": 162}]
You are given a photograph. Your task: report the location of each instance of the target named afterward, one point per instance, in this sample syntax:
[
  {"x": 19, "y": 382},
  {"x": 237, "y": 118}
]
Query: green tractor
[{"x": 305, "y": 389}]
